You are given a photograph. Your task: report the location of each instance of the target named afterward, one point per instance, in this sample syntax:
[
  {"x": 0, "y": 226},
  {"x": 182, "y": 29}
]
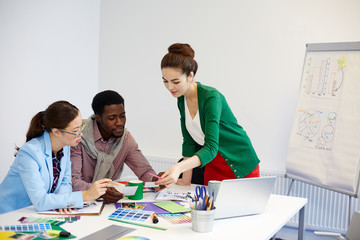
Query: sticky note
[{"x": 342, "y": 62}]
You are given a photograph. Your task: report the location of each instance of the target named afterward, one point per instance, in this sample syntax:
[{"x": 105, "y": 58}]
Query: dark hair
[
  {"x": 58, "y": 115},
  {"x": 181, "y": 56},
  {"x": 104, "y": 98}
]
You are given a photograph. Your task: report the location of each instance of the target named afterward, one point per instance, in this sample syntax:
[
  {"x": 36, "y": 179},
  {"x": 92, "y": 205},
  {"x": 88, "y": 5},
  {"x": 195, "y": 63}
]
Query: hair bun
[{"x": 183, "y": 49}]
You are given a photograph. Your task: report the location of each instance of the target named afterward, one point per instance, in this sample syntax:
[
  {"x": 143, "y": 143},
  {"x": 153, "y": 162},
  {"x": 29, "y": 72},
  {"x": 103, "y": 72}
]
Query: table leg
[{"x": 301, "y": 229}]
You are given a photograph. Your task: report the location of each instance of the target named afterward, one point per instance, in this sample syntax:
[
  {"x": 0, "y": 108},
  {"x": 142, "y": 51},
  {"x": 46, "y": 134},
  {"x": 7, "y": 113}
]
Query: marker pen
[
  {"x": 154, "y": 218},
  {"x": 58, "y": 233}
]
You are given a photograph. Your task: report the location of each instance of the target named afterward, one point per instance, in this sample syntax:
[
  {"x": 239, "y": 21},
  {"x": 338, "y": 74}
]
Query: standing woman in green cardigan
[{"x": 212, "y": 137}]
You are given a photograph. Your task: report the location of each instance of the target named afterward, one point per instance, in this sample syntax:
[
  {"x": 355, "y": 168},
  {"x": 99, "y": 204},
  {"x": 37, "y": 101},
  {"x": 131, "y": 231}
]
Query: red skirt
[{"x": 218, "y": 169}]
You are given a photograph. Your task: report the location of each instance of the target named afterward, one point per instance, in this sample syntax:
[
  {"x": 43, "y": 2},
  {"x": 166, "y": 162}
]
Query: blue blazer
[{"x": 30, "y": 179}]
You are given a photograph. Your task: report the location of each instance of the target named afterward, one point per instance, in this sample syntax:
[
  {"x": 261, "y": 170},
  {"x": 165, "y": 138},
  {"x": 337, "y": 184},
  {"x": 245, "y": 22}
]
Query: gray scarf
[{"x": 104, "y": 162}]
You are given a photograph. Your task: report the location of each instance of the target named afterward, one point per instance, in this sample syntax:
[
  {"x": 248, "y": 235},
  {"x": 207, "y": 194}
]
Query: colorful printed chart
[
  {"x": 131, "y": 215},
  {"x": 41, "y": 227},
  {"x": 56, "y": 220},
  {"x": 176, "y": 218},
  {"x": 145, "y": 206},
  {"x": 133, "y": 238}
]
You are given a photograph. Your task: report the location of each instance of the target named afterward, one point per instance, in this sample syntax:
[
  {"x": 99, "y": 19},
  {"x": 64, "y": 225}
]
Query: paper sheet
[
  {"x": 167, "y": 194},
  {"x": 126, "y": 190},
  {"x": 172, "y": 207}
]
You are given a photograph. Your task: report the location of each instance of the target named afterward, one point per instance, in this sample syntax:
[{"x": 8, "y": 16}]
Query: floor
[{"x": 289, "y": 233}]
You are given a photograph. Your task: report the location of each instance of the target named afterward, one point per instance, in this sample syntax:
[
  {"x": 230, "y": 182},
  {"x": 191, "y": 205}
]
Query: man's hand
[{"x": 112, "y": 195}]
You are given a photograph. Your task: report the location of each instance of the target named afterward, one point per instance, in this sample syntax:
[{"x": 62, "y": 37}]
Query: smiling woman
[
  {"x": 41, "y": 172},
  {"x": 213, "y": 139}
]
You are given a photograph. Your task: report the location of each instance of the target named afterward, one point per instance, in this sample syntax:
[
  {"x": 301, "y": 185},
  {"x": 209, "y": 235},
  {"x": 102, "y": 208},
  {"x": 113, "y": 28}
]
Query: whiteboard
[{"x": 324, "y": 146}]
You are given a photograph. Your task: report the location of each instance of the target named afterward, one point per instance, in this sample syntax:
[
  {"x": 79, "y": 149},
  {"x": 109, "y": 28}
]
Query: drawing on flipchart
[
  {"x": 324, "y": 76},
  {"x": 316, "y": 129}
]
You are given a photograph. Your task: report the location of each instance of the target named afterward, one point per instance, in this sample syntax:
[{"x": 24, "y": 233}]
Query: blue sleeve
[{"x": 35, "y": 175}]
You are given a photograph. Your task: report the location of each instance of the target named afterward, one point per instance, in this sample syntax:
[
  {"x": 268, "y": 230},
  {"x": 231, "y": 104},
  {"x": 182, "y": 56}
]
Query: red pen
[{"x": 155, "y": 176}]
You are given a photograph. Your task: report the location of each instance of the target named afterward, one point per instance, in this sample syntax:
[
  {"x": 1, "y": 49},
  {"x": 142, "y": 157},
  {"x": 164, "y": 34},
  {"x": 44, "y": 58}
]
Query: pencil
[
  {"x": 155, "y": 176},
  {"x": 209, "y": 204},
  {"x": 114, "y": 183},
  {"x": 138, "y": 224}
]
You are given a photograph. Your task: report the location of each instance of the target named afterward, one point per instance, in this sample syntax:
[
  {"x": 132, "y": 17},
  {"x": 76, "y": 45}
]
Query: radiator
[
  {"x": 326, "y": 210},
  {"x": 159, "y": 164}
]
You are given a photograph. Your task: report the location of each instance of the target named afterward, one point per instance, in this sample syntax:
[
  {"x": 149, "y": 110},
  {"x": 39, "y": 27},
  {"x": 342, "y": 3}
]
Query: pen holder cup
[{"x": 202, "y": 220}]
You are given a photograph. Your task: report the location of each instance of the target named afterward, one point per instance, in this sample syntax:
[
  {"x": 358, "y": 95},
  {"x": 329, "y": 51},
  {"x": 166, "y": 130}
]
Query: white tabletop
[{"x": 279, "y": 211}]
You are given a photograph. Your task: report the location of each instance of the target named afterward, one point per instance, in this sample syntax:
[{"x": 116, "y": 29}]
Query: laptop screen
[{"x": 245, "y": 196}]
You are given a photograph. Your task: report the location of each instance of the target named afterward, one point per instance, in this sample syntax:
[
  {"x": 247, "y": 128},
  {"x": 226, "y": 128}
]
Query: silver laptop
[{"x": 241, "y": 197}]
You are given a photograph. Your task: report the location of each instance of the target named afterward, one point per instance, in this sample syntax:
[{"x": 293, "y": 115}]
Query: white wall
[
  {"x": 49, "y": 51},
  {"x": 252, "y": 51}
]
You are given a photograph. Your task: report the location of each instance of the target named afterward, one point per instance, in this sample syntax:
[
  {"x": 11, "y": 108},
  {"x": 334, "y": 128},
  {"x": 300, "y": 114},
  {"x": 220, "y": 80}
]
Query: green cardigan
[{"x": 222, "y": 132}]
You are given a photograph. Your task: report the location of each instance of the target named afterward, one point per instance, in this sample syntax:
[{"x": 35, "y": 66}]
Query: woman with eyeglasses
[{"x": 41, "y": 172}]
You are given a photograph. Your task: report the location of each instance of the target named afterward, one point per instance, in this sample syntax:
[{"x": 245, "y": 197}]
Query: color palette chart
[
  {"x": 133, "y": 238},
  {"x": 176, "y": 218},
  {"x": 56, "y": 220},
  {"x": 131, "y": 215},
  {"x": 41, "y": 227}
]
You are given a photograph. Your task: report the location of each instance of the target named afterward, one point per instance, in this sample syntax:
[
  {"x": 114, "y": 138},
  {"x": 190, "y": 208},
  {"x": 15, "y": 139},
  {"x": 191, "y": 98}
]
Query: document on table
[
  {"x": 90, "y": 208},
  {"x": 167, "y": 194}
]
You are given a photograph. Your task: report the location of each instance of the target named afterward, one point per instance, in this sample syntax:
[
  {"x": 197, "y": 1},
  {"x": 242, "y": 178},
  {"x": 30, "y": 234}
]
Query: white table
[{"x": 279, "y": 211}]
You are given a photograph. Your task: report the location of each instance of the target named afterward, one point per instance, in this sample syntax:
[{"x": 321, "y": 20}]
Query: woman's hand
[
  {"x": 170, "y": 176},
  {"x": 65, "y": 210},
  {"x": 97, "y": 189}
]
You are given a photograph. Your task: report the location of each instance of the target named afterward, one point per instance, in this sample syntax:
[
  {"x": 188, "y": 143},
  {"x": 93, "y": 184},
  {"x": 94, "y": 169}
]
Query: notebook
[
  {"x": 241, "y": 197},
  {"x": 90, "y": 208}
]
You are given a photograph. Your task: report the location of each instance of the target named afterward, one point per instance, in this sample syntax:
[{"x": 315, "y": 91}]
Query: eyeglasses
[{"x": 76, "y": 134}]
